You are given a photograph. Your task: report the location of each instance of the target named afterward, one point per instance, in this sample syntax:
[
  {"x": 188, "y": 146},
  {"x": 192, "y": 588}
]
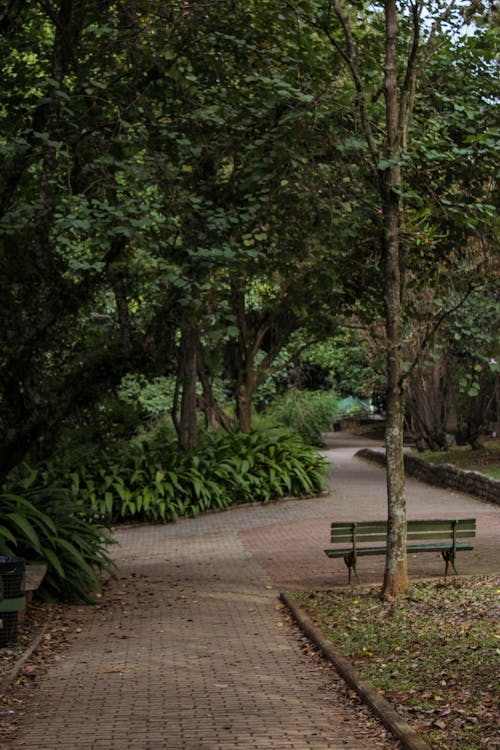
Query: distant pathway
[
  {"x": 190, "y": 650},
  {"x": 358, "y": 491}
]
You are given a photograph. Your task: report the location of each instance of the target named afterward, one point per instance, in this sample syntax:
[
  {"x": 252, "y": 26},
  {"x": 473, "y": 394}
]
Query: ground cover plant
[
  {"x": 486, "y": 459},
  {"x": 44, "y": 524},
  {"x": 153, "y": 481},
  {"x": 433, "y": 653}
]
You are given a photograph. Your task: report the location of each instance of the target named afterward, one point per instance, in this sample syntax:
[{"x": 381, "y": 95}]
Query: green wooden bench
[{"x": 440, "y": 535}]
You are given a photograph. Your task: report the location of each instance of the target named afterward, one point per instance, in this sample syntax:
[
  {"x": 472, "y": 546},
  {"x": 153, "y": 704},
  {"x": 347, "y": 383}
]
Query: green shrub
[
  {"x": 263, "y": 465},
  {"x": 43, "y": 524},
  {"x": 309, "y": 413},
  {"x": 152, "y": 481},
  {"x": 59, "y": 516},
  {"x": 151, "y": 398}
]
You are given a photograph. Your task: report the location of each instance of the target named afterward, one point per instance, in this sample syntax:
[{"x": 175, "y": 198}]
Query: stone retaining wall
[{"x": 444, "y": 475}]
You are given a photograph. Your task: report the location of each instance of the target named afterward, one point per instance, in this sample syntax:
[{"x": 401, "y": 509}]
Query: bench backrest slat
[
  {"x": 376, "y": 531},
  {"x": 423, "y": 536},
  {"x": 359, "y": 536},
  {"x": 440, "y": 523}
]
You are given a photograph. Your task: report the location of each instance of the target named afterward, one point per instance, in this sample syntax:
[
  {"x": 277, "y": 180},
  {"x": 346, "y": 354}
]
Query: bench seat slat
[
  {"x": 359, "y": 551},
  {"x": 416, "y": 522},
  {"x": 431, "y": 547},
  {"x": 410, "y": 549}
]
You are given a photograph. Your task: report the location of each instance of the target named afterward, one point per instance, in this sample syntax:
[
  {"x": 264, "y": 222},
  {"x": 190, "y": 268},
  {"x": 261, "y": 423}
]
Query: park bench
[{"x": 440, "y": 535}]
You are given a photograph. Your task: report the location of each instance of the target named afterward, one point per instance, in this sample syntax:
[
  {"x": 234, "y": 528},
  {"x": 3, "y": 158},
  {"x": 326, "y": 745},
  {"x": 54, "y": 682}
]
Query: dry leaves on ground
[{"x": 433, "y": 653}]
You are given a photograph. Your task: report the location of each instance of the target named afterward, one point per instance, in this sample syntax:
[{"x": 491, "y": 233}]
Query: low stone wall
[{"x": 444, "y": 475}]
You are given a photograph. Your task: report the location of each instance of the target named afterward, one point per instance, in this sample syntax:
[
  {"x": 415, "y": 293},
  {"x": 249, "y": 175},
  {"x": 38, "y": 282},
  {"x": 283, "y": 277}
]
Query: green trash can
[{"x": 12, "y": 598}]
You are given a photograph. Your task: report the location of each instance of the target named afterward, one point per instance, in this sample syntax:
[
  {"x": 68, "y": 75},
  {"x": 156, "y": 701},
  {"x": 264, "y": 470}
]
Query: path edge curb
[
  {"x": 371, "y": 697},
  {"x": 9, "y": 678}
]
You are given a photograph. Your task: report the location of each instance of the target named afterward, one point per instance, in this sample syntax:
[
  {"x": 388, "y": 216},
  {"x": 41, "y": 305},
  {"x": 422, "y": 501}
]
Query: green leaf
[
  {"x": 25, "y": 526},
  {"x": 7, "y": 534},
  {"x": 385, "y": 164},
  {"x": 54, "y": 561},
  {"x": 76, "y": 555}
]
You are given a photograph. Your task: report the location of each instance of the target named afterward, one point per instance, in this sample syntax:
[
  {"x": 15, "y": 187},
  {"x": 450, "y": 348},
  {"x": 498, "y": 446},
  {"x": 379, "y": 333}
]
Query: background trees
[{"x": 69, "y": 210}]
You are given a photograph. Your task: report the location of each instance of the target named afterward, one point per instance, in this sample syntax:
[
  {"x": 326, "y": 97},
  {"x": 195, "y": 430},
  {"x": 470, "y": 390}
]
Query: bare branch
[
  {"x": 431, "y": 329},
  {"x": 348, "y": 54},
  {"x": 407, "y": 94}
]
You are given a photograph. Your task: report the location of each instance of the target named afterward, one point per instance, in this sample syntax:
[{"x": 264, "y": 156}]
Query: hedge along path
[{"x": 190, "y": 651}]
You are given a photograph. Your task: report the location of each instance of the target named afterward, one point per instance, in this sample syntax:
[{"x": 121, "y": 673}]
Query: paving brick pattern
[{"x": 190, "y": 649}]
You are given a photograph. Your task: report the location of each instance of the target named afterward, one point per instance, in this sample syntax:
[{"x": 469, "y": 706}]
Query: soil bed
[
  {"x": 46, "y": 626},
  {"x": 433, "y": 653}
]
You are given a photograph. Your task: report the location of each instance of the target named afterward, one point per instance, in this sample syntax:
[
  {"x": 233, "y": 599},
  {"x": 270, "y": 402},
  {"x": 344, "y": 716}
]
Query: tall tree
[
  {"x": 387, "y": 49},
  {"x": 73, "y": 212}
]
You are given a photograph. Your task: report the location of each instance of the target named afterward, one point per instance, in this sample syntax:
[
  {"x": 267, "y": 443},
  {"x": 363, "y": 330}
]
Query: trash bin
[{"x": 11, "y": 596}]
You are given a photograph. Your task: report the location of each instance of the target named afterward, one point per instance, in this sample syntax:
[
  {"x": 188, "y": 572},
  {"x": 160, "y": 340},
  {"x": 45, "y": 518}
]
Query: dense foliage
[
  {"x": 44, "y": 524},
  {"x": 309, "y": 413},
  {"x": 171, "y": 202},
  {"x": 192, "y": 194},
  {"x": 152, "y": 481},
  {"x": 63, "y": 516}
]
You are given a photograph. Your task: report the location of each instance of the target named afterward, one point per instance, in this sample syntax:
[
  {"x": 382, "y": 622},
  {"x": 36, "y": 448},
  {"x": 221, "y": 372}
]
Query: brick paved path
[{"x": 190, "y": 650}]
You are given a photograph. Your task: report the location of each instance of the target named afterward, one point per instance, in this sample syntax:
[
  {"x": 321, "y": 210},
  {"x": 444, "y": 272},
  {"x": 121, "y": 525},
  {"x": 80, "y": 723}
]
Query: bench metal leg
[
  {"x": 448, "y": 556},
  {"x": 350, "y": 561}
]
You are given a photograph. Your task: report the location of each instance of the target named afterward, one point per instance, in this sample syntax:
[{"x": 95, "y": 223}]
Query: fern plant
[{"x": 47, "y": 526}]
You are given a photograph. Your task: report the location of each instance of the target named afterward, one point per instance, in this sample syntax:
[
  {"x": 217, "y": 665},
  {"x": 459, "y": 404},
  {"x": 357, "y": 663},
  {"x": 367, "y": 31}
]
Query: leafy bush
[
  {"x": 44, "y": 525},
  {"x": 309, "y": 413},
  {"x": 58, "y": 515},
  {"x": 153, "y": 481},
  {"x": 264, "y": 465},
  {"x": 151, "y": 398},
  {"x": 109, "y": 422}
]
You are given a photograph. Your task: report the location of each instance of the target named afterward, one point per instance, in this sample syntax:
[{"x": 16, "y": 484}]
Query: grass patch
[
  {"x": 433, "y": 653},
  {"x": 485, "y": 460}
]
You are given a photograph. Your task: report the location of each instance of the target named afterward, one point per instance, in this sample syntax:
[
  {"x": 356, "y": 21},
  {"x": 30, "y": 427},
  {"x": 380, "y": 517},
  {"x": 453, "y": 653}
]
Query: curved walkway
[{"x": 191, "y": 650}]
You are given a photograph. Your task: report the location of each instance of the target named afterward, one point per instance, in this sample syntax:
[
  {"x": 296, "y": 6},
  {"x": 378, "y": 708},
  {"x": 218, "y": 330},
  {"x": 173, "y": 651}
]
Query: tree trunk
[
  {"x": 244, "y": 408},
  {"x": 396, "y": 576},
  {"x": 121, "y": 302},
  {"x": 248, "y": 383},
  {"x": 428, "y": 403},
  {"x": 497, "y": 402},
  {"x": 215, "y": 416},
  {"x": 187, "y": 425}
]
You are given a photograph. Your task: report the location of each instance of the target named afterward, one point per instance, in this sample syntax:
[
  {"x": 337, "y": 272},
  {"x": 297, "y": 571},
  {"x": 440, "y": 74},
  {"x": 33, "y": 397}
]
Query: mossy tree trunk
[
  {"x": 396, "y": 577},
  {"x": 186, "y": 422}
]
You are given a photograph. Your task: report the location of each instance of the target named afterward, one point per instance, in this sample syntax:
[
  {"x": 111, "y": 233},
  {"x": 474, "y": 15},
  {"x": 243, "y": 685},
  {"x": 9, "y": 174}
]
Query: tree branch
[
  {"x": 431, "y": 330},
  {"x": 349, "y": 55}
]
